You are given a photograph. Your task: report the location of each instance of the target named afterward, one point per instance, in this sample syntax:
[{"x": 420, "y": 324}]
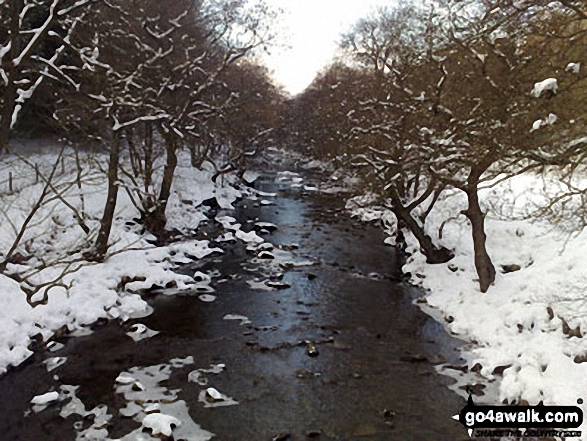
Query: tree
[
  {"x": 156, "y": 75},
  {"x": 252, "y": 115},
  {"x": 440, "y": 98},
  {"x": 315, "y": 121},
  {"x": 490, "y": 59},
  {"x": 388, "y": 123},
  {"x": 34, "y": 39}
]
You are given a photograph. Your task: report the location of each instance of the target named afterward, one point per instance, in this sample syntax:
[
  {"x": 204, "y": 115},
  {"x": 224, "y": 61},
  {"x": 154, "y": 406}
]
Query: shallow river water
[{"x": 342, "y": 354}]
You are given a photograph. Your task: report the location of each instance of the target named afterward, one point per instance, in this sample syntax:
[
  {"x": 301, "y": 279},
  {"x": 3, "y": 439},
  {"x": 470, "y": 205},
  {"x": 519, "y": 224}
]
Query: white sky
[{"x": 312, "y": 29}]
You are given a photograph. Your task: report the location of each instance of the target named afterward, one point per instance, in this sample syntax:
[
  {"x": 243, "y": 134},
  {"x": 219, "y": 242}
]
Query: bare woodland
[
  {"x": 453, "y": 95},
  {"x": 138, "y": 81},
  {"x": 427, "y": 96}
]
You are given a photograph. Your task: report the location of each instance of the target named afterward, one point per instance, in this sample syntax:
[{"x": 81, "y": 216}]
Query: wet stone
[
  {"x": 305, "y": 374},
  {"x": 311, "y": 349},
  {"x": 500, "y": 369},
  {"x": 277, "y": 285},
  {"x": 414, "y": 358},
  {"x": 437, "y": 359},
  {"x": 463, "y": 368},
  {"x": 510, "y": 268},
  {"x": 387, "y": 413},
  {"x": 476, "y": 389}
]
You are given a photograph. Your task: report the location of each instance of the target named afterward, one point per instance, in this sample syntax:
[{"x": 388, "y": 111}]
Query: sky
[{"x": 311, "y": 29}]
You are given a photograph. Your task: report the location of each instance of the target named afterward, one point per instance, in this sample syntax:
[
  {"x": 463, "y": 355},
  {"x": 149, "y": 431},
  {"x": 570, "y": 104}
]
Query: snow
[
  {"x": 575, "y": 142},
  {"x": 124, "y": 379},
  {"x": 266, "y": 225},
  {"x": 250, "y": 237},
  {"x": 213, "y": 393},
  {"x": 537, "y": 124},
  {"x": 212, "y": 398},
  {"x": 228, "y": 222},
  {"x": 15, "y": 325},
  {"x": 172, "y": 414},
  {"x": 259, "y": 285},
  {"x": 244, "y": 320},
  {"x": 550, "y": 84},
  {"x": 54, "y": 346},
  {"x": 45, "y": 398},
  {"x": 525, "y": 321},
  {"x": 160, "y": 423},
  {"x": 225, "y": 196},
  {"x": 118, "y": 125},
  {"x": 141, "y": 332},
  {"x": 573, "y": 68},
  {"x": 549, "y": 120},
  {"x": 54, "y": 242},
  {"x": 250, "y": 176},
  {"x": 365, "y": 208},
  {"x": 54, "y": 362},
  {"x": 198, "y": 377},
  {"x": 520, "y": 322},
  {"x": 4, "y": 50},
  {"x": 157, "y": 408}
]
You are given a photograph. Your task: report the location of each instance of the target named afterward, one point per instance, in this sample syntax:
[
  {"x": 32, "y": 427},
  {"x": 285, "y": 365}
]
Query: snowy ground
[
  {"x": 116, "y": 288},
  {"x": 52, "y": 248},
  {"x": 525, "y": 333}
]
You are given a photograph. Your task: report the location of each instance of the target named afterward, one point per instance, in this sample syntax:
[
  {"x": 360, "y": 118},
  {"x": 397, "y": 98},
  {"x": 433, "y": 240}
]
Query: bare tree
[
  {"x": 34, "y": 40},
  {"x": 388, "y": 122},
  {"x": 442, "y": 98},
  {"x": 157, "y": 78}
]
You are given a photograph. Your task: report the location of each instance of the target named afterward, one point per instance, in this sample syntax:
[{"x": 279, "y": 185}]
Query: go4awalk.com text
[{"x": 520, "y": 421}]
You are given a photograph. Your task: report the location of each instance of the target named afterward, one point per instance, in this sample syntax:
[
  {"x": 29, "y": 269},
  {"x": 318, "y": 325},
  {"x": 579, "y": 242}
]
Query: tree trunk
[
  {"x": 432, "y": 253},
  {"x": 111, "y": 198},
  {"x": 156, "y": 220},
  {"x": 7, "y": 111},
  {"x": 483, "y": 263},
  {"x": 148, "y": 149}
]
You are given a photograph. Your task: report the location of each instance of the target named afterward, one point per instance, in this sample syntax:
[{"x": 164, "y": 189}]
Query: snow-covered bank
[
  {"x": 49, "y": 269},
  {"x": 526, "y": 320},
  {"x": 526, "y": 331}
]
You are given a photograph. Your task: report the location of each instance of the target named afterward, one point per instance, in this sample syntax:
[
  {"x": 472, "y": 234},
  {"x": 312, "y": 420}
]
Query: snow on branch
[
  {"x": 3, "y": 51},
  {"x": 76, "y": 5},
  {"x": 118, "y": 126},
  {"x": 176, "y": 21},
  {"x": 159, "y": 36},
  {"x": 39, "y": 34}
]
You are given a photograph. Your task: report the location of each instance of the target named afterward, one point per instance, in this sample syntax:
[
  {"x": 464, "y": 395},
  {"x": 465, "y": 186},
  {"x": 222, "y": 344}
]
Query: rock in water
[{"x": 311, "y": 349}]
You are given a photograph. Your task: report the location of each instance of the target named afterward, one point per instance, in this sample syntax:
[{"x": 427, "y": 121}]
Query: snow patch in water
[
  {"x": 141, "y": 332},
  {"x": 244, "y": 320},
  {"x": 212, "y": 398}
]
